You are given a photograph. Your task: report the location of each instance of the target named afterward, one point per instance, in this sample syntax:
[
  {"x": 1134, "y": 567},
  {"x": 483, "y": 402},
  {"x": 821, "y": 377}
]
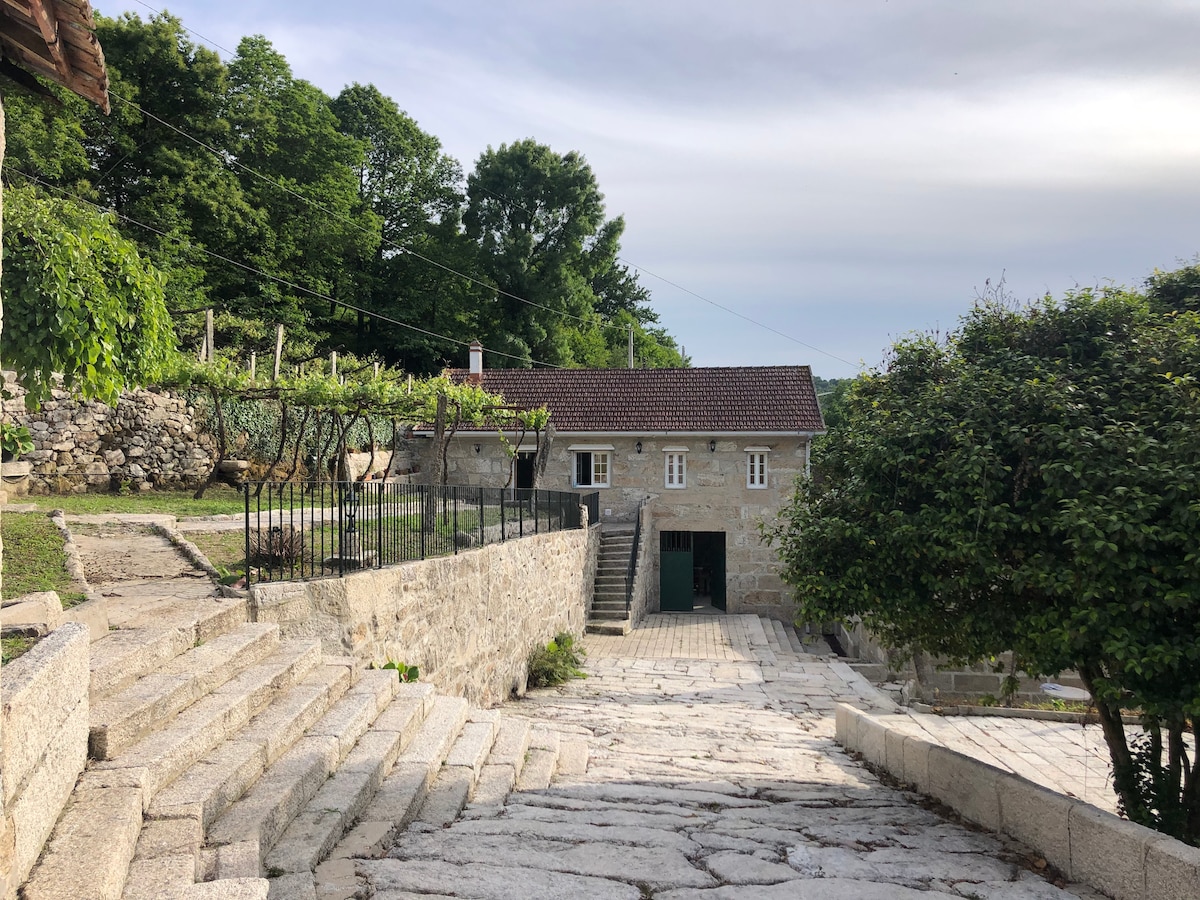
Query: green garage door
[{"x": 675, "y": 571}]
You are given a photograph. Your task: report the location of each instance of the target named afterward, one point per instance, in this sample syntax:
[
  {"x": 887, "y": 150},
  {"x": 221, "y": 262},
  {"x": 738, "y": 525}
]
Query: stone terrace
[
  {"x": 697, "y": 761},
  {"x": 711, "y": 773}
]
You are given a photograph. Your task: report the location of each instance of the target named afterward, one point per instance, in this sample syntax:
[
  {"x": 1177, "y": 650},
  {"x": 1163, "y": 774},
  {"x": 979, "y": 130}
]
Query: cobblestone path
[{"x": 713, "y": 774}]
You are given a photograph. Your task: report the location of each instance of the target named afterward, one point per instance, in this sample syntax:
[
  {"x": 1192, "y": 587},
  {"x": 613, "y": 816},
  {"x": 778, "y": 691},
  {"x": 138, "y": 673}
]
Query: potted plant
[{"x": 15, "y": 440}]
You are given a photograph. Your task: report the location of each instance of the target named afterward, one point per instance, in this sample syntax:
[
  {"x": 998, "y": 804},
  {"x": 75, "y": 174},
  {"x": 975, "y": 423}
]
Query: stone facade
[
  {"x": 467, "y": 621},
  {"x": 149, "y": 440},
  {"x": 715, "y": 496}
]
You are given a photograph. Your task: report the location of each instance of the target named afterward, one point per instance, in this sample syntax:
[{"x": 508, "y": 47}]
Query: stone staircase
[
  {"x": 781, "y": 643},
  {"x": 222, "y": 755},
  {"x": 608, "y": 614}
]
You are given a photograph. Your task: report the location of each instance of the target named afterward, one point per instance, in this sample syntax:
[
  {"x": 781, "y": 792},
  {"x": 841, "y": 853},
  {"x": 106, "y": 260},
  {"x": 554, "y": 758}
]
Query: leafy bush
[
  {"x": 403, "y": 671},
  {"x": 15, "y": 440},
  {"x": 558, "y": 661}
]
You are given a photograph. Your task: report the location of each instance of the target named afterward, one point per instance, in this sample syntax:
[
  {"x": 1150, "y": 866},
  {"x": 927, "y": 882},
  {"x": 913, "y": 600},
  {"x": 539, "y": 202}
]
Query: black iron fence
[{"x": 296, "y": 531}]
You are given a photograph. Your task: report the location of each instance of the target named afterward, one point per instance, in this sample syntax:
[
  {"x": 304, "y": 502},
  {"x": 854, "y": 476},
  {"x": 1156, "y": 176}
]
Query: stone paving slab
[
  {"x": 711, "y": 773},
  {"x": 1064, "y": 757}
]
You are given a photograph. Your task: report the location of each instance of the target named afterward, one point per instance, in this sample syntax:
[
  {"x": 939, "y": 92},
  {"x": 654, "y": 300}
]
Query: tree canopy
[
  {"x": 256, "y": 194},
  {"x": 1031, "y": 483}
]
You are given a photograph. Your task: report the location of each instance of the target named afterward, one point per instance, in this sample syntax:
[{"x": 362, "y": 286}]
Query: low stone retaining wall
[
  {"x": 467, "y": 621},
  {"x": 958, "y": 681},
  {"x": 44, "y": 739},
  {"x": 1112, "y": 855}
]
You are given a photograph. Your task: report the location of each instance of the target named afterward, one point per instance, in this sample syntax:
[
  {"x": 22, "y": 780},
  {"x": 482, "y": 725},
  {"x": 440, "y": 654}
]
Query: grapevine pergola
[{"x": 330, "y": 405}]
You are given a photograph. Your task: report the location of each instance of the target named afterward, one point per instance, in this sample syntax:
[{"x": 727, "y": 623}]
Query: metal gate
[{"x": 675, "y": 571}]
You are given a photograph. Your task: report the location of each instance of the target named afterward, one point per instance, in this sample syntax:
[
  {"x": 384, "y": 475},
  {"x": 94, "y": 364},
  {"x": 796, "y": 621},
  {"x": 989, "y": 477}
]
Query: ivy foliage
[
  {"x": 1032, "y": 483},
  {"x": 78, "y": 300}
]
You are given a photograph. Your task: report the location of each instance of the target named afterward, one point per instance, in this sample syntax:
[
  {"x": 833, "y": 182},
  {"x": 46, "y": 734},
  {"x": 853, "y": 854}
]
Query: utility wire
[
  {"x": 230, "y": 160},
  {"x": 225, "y": 157},
  {"x": 680, "y": 287},
  {"x": 206, "y": 40},
  {"x": 283, "y": 281}
]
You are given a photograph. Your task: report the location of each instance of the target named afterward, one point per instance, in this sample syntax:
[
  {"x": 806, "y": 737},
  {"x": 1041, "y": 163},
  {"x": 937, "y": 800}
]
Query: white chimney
[{"x": 475, "y": 372}]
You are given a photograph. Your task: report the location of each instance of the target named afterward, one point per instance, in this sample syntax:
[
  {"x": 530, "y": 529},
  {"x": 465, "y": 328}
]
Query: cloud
[{"x": 849, "y": 171}]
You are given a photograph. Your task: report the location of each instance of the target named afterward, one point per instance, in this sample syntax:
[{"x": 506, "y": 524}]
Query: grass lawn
[
  {"x": 14, "y": 647},
  {"x": 226, "y": 550},
  {"x": 218, "y": 500},
  {"x": 33, "y": 558}
]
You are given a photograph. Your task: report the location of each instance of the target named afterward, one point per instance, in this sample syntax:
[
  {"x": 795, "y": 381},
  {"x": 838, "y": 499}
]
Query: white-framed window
[
  {"x": 756, "y": 467},
  {"x": 675, "y": 467},
  {"x": 592, "y": 468}
]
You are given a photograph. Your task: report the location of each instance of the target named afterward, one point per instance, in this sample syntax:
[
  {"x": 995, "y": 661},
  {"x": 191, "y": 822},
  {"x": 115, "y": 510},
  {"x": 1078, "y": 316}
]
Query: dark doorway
[
  {"x": 691, "y": 570},
  {"x": 525, "y": 470},
  {"x": 708, "y": 565}
]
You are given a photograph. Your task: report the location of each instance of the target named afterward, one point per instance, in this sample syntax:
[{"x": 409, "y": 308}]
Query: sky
[{"x": 844, "y": 172}]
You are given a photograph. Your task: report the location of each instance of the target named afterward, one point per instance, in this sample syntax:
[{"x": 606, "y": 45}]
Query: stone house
[{"x": 710, "y": 452}]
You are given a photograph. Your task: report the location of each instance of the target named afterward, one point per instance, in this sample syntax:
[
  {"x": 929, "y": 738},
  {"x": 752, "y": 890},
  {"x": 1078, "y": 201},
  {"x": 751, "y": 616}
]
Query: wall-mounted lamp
[
  {"x": 712, "y": 446},
  {"x": 478, "y": 447},
  {"x": 638, "y": 446}
]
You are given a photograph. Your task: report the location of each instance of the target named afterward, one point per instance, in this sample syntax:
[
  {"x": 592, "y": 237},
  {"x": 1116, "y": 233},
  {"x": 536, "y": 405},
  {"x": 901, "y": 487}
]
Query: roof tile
[{"x": 725, "y": 398}]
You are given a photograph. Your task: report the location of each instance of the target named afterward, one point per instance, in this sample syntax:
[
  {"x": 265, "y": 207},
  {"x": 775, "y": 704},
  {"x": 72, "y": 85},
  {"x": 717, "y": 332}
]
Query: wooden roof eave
[{"x": 53, "y": 39}]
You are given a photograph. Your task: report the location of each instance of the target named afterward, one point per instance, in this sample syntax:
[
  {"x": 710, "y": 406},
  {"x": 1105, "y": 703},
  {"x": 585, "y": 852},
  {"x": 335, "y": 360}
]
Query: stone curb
[
  {"x": 193, "y": 553},
  {"x": 45, "y": 719},
  {"x": 71, "y": 550},
  {"x": 1041, "y": 715},
  {"x": 1123, "y": 860}
]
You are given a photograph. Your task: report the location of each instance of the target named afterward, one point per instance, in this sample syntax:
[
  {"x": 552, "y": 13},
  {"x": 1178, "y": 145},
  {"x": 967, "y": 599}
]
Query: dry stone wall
[
  {"x": 468, "y": 621},
  {"x": 148, "y": 440}
]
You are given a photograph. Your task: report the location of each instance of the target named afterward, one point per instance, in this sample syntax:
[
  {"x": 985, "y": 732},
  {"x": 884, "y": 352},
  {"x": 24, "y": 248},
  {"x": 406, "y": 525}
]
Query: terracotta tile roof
[{"x": 732, "y": 398}]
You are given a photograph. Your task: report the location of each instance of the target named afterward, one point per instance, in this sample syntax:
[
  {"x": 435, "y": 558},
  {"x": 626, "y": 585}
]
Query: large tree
[
  {"x": 1032, "y": 483},
  {"x": 416, "y": 191},
  {"x": 539, "y": 222}
]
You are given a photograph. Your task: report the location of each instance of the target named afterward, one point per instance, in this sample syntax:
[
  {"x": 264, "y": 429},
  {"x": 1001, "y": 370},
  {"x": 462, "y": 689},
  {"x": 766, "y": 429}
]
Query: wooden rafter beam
[
  {"x": 47, "y": 23},
  {"x": 54, "y": 39}
]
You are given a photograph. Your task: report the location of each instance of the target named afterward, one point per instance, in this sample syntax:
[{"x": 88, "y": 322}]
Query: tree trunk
[
  {"x": 1124, "y": 773},
  {"x": 543, "y": 455},
  {"x": 429, "y": 507}
]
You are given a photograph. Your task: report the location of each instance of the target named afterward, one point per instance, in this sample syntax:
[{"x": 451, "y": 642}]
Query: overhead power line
[
  {"x": 227, "y": 159},
  {"x": 680, "y": 287},
  {"x": 277, "y": 279}
]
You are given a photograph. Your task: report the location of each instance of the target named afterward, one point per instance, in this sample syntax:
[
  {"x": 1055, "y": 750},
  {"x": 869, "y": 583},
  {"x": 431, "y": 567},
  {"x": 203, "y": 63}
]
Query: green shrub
[
  {"x": 403, "y": 671},
  {"x": 558, "y": 661}
]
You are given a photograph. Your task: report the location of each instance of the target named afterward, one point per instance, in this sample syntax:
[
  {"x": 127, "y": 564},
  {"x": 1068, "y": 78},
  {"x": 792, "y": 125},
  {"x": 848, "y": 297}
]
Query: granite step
[
  {"x": 613, "y": 627},
  {"x": 541, "y": 760},
  {"x": 262, "y": 815},
  {"x": 89, "y": 853},
  {"x": 122, "y": 719},
  {"x": 100, "y": 837},
  {"x": 609, "y": 615},
  {"x": 343, "y": 798},
  {"x": 503, "y": 765},
  {"x": 210, "y": 785},
  {"x": 404, "y": 789},
  {"x": 125, "y": 654},
  {"x": 794, "y": 639},
  {"x": 459, "y": 772},
  {"x": 169, "y": 752}
]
